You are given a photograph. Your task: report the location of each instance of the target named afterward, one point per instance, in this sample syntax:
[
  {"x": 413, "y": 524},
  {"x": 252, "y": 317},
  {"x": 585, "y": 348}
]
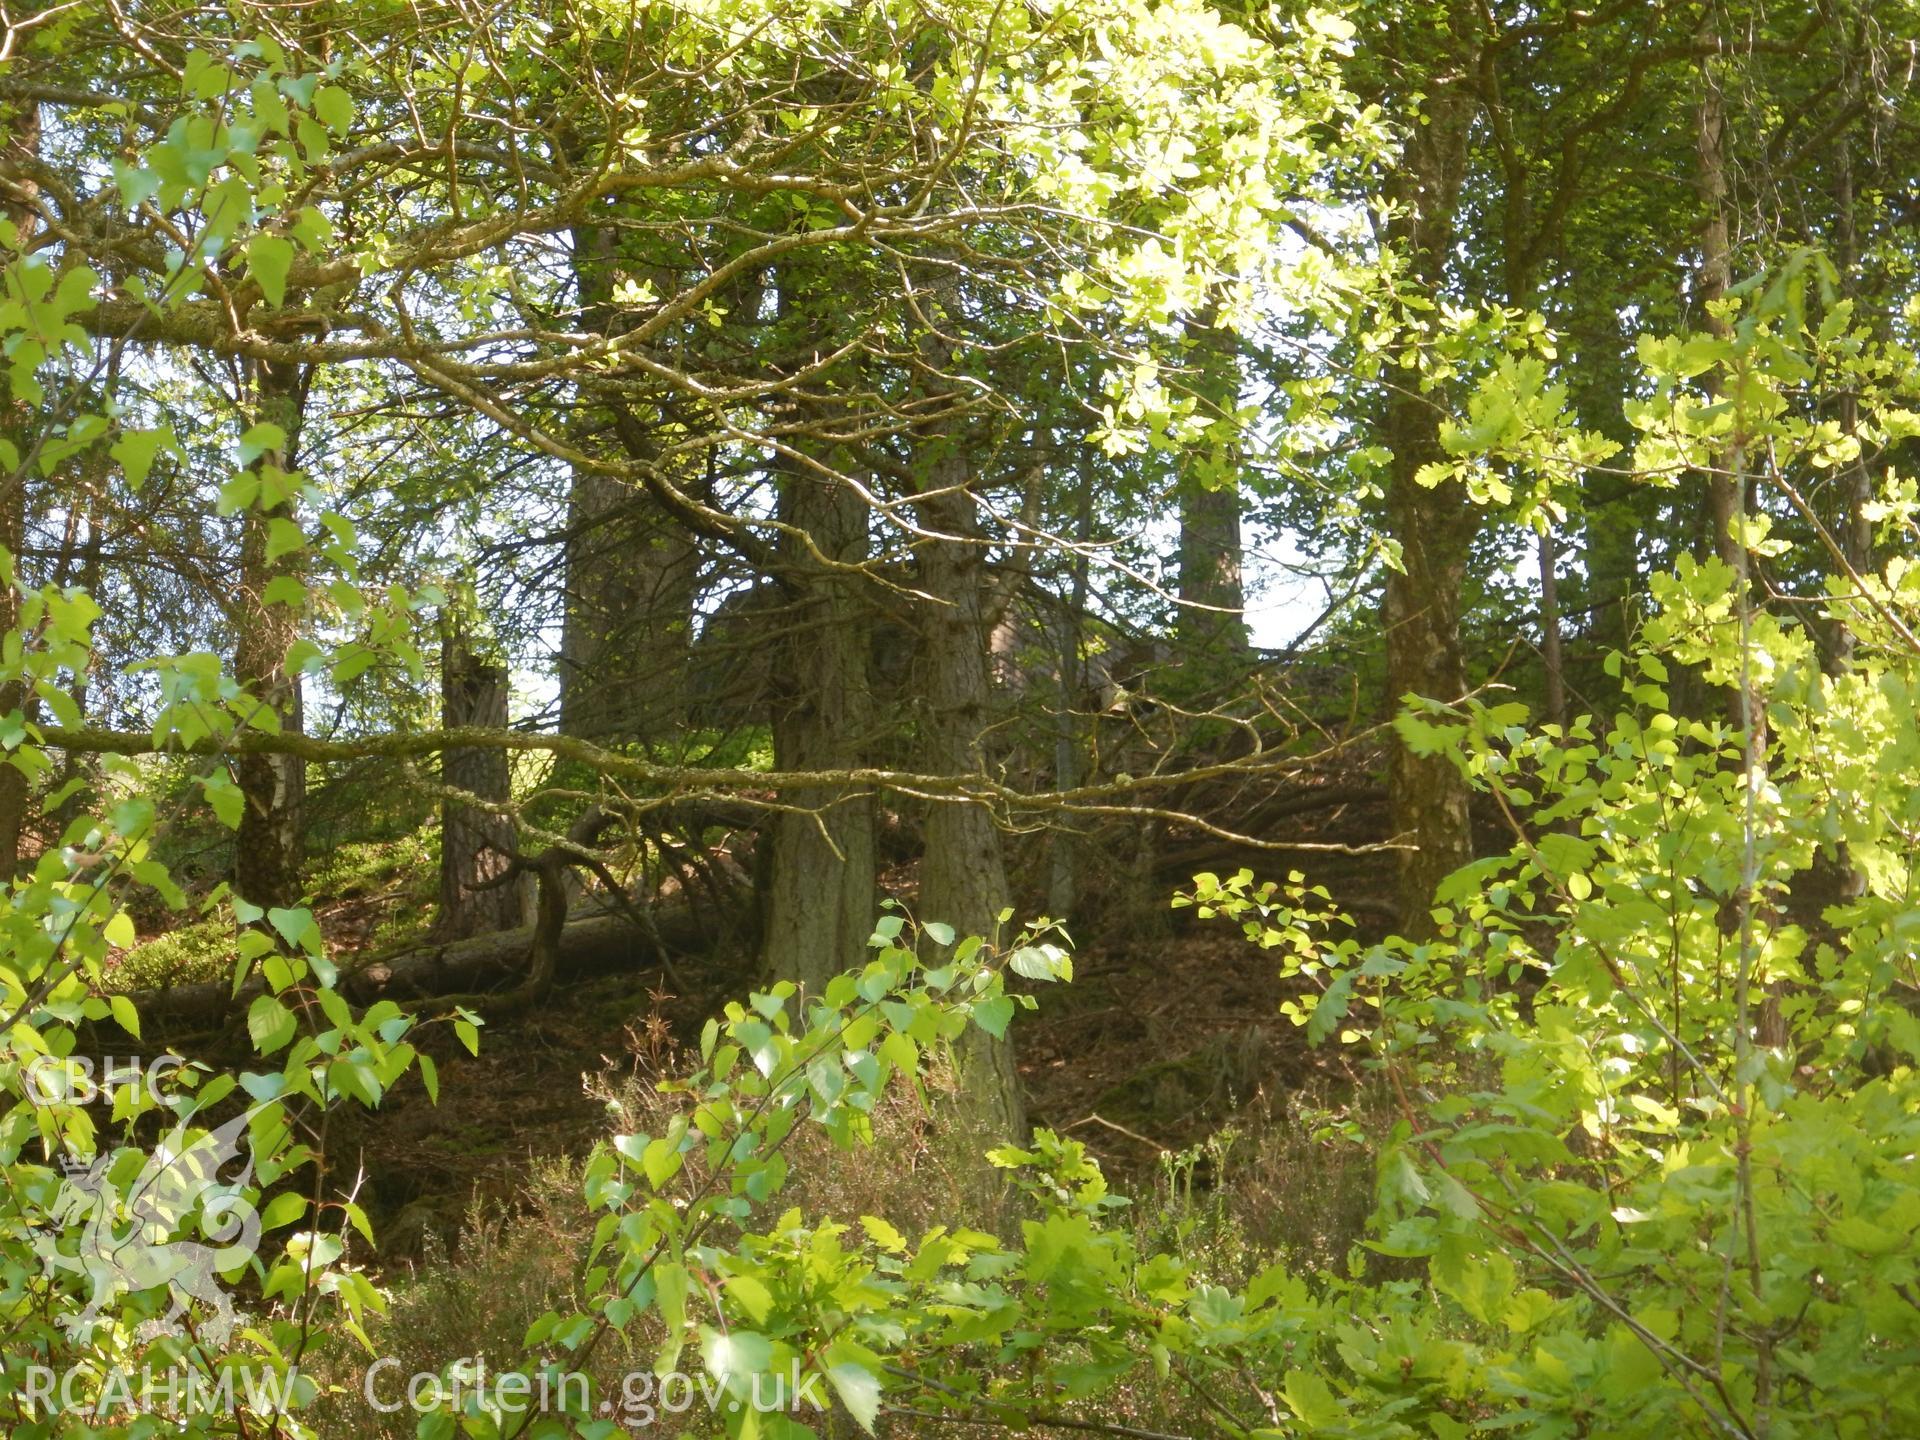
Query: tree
[
  {"x": 17, "y": 445},
  {"x": 632, "y": 572},
  {"x": 269, "y": 841},
  {"x": 1212, "y": 625},
  {"x": 1433, "y": 525},
  {"x": 963, "y": 877},
  {"x": 479, "y": 889},
  {"x": 823, "y": 887}
]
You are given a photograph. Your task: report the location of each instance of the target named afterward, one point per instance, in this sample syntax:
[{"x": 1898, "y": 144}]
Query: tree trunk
[
  {"x": 1610, "y": 552},
  {"x": 1430, "y": 798},
  {"x": 1070, "y": 731},
  {"x": 80, "y": 774},
  {"x": 1550, "y": 646},
  {"x": 632, "y": 573},
  {"x": 1519, "y": 253},
  {"x": 1212, "y": 625},
  {"x": 1716, "y": 279},
  {"x": 1836, "y": 873},
  {"x": 1726, "y": 476},
  {"x": 268, "y": 845},
  {"x": 820, "y": 900},
  {"x": 1434, "y": 526},
  {"x": 476, "y": 845},
  {"x": 630, "y": 586},
  {"x": 963, "y": 875},
  {"x": 594, "y": 944},
  {"x": 16, "y": 424},
  {"x": 1856, "y": 530}
]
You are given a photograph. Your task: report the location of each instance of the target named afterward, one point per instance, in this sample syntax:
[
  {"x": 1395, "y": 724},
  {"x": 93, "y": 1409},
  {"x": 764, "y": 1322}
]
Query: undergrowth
[{"x": 1290, "y": 1179}]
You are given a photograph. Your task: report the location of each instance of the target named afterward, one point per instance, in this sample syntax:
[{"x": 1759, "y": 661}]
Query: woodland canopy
[{"x": 770, "y": 536}]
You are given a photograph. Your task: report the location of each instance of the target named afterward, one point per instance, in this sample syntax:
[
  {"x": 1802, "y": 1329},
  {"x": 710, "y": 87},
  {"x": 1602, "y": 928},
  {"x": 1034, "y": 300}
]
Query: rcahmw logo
[
  {"x": 174, "y": 1392},
  {"x": 112, "y": 1231}
]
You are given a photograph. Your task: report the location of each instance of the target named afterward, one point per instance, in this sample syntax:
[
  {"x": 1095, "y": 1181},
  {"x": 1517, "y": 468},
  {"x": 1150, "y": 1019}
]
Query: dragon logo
[{"x": 127, "y": 1241}]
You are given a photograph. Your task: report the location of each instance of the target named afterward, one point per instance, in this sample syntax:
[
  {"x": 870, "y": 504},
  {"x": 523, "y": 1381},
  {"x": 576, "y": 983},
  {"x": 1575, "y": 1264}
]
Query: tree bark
[
  {"x": 963, "y": 875},
  {"x": 1212, "y": 624},
  {"x": 820, "y": 898},
  {"x": 1856, "y": 530},
  {"x": 632, "y": 573},
  {"x": 269, "y": 843},
  {"x": 1726, "y": 474},
  {"x": 590, "y": 945},
  {"x": 1070, "y": 730},
  {"x": 1551, "y": 650},
  {"x": 16, "y": 424},
  {"x": 1610, "y": 553},
  {"x": 80, "y": 774},
  {"x": 1716, "y": 279},
  {"x": 476, "y": 845},
  {"x": 625, "y": 642},
  {"x": 1434, "y": 526}
]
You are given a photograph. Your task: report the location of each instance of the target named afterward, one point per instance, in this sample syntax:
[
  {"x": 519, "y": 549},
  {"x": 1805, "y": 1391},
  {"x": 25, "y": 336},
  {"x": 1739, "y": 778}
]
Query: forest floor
[
  {"x": 1170, "y": 1032},
  {"x": 1170, "y": 1029},
  {"x": 1155, "y": 1044}
]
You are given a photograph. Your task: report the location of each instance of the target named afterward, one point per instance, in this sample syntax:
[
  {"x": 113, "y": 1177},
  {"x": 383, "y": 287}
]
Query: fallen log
[{"x": 466, "y": 969}]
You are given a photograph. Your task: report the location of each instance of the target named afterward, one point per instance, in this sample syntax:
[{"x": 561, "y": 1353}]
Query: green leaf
[
  {"x": 261, "y": 439},
  {"x": 1528, "y": 1309},
  {"x": 859, "y": 1390},
  {"x": 670, "y": 1295},
  {"x": 137, "y": 183},
  {"x": 284, "y": 538},
  {"x": 226, "y": 798},
  {"x": 1313, "y": 1401},
  {"x": 1858, "y": 1233},
  {"x": 1037, "y": 962},
  {"x": 312, "y": 228},
  {"x": 661, "y": 1160},
  {"x": 752, "y": 1296},
  {"x": 295, "y": 926},
  {"x": 355, "y": 1078},
  {"x": 1423, "y": 737},
  {"x": 284, "y": 590},
  {"x": 127, "y": 1017},
  {"x": 239, "y": 492},
  {"x": 735, "y": 1357},
  {"x": 134, "y": 450},
  {"x": 993, "y": 1013},
  {"x": 270, "y": 1024},
  {"x": 284, "y": 1209},
  {"x": 269, "y": 257},
  {"x": 334, "y": 107}
]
